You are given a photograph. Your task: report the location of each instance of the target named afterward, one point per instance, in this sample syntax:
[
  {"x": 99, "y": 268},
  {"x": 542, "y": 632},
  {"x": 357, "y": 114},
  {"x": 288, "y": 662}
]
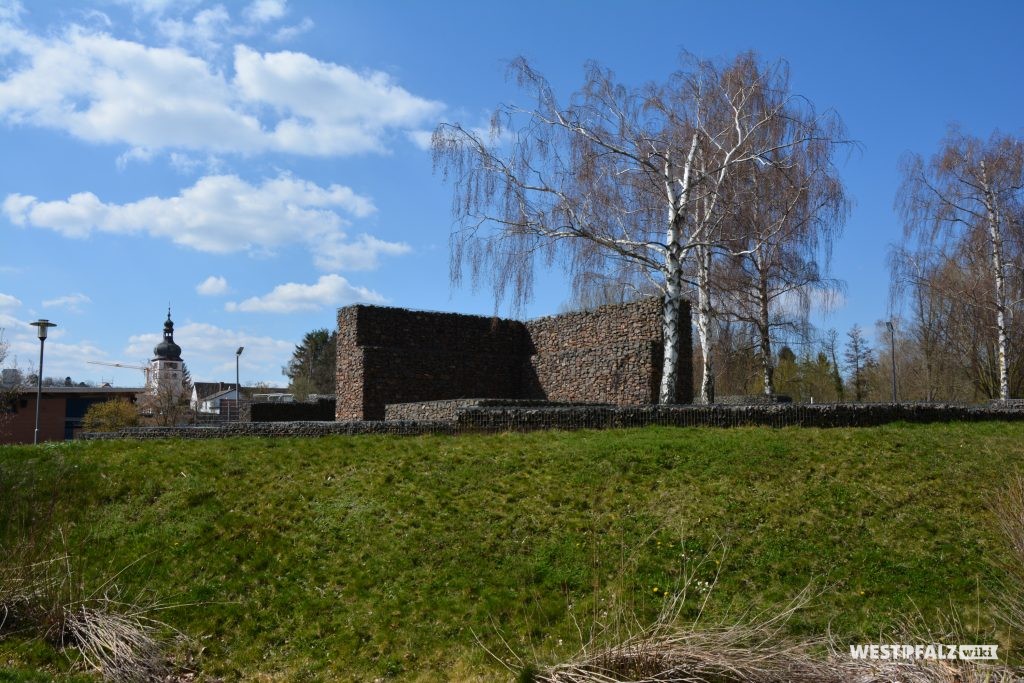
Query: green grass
[{"x": 357, "y": 558}]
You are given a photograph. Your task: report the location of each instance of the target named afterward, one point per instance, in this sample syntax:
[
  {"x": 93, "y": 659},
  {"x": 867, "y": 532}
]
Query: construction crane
[{"x": 145, "y": 368}]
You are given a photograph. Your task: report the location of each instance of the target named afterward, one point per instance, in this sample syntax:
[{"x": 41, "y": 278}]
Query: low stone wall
[
  {"x": 321, "y": 409},
  {"x": 279, "y": 429},
  {"x": 752, "y": 400},
  {"x": 500, "y": 416},
  {"x": 449, "y": 410},
  {"x": 428, "y": 410},
  {"x": 492, "y": 419}
]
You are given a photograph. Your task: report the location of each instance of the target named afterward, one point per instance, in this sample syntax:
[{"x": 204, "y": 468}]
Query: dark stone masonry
[
  {"x": 611, "y": 355},
  {"x": 318, "y": 410},
  {"x": 520, "y": 416}
]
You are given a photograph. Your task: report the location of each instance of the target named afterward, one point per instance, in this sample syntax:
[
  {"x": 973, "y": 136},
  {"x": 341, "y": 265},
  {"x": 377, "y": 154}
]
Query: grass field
[{"x": 358, "y": 558}]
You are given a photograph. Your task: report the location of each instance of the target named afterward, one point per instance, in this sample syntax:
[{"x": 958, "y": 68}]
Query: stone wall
[
  {"x": 277, "y": 430},
  {"x": 609, "y": 355},
  {"x": 449, "y": 410},
  {"x": 428, "y": 410},
  {"x": 392, "y": 356},
  {"x": 521, "y": 416},
  {"x": 321, "y": 409},
  {"x": 513, "y": 418}
]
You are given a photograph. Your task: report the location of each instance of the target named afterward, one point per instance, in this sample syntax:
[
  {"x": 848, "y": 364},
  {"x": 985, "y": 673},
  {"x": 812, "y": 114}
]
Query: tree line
[{"x": 719, "y": 185}]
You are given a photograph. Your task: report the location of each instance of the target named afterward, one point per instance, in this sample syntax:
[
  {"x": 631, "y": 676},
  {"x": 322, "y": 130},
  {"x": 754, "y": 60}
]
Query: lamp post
[
  {"x": 892, "y": 348},
  {"x": 238, "y": 387},
  {"x": 41, "y": 326}
]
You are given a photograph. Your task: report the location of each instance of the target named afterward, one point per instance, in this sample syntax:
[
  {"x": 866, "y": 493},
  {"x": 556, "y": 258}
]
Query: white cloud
[
  {"x": 329, "y": 290},
  {"x": 264, "y": 11},
  {"x": 72, "y": 302},
  {"x": 138, "y": 154},
  {"x": 103, "y": 89},
  {"x": 156, "y": 7},
  {"x": 63, "y": 359},
  {"x": 11, "y": 10},
  {"x": 209, "y": 351},
  {"x": 288, "y": 33},
  {"x": 205, "y": 30},
  {"x": 224, "y": 214},
  {"x": 421, "y": 138},
  {"x": 327, "y": 106},
  {"x": 8, "y": 301},
  {"x": 361, "y": 254},
  {"x": 212, "y": 286}
]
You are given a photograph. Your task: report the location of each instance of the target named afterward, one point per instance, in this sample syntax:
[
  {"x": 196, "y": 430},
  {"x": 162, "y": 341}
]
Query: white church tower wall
[{"x": 167, "y": 366}]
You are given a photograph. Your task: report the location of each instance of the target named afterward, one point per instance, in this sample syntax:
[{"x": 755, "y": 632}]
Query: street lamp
[
  {"x": 238, "y": 387},
  {"x": 892, "y": 347},
  {"x": 41, "y": 326}
]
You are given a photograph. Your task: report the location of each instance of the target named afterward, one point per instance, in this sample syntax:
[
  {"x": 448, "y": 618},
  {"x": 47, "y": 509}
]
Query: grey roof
[
  {"x": 83, "y": 390},
  {"x": 205, "y": 390},
  {"x": 221, "y": 394}
]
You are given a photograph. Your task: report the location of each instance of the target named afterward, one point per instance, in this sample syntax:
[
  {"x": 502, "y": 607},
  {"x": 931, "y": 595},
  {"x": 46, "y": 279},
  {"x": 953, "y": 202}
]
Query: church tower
[{"x": 166, "y": 366}]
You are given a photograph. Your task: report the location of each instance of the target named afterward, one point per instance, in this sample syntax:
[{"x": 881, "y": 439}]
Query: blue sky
[{"x": 259, "y": 164}]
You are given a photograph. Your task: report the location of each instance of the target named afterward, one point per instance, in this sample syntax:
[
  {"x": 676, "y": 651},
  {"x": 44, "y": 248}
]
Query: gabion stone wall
[
  {"x": 492, "y": 416},
  {"x": 449, "y": 410},
  {"x": 320, "y": 409},
  {"x": 277, "y": 429},
  {"x": 512, "y": 418},
  {"x": 393, "y": 355},
  {"x": 610, "y": 355}
]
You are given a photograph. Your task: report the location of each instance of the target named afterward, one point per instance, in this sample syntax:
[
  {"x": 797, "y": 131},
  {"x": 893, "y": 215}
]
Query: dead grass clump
[
  {"x": 100, "y": 630},
  {"x": 754, "y": 649},
  {"x": 722, "y": 657}
]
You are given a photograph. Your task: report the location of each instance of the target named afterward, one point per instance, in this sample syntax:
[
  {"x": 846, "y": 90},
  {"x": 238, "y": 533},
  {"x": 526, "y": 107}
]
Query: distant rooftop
[{"x": 83, "y": 390}]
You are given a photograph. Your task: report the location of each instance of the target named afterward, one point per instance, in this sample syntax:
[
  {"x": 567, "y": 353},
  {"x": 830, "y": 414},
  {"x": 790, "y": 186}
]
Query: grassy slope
[{"x": 378, "y": 556}]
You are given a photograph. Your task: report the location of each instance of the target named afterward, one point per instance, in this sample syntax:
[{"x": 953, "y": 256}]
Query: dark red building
[{"x": 60, "y": 414}]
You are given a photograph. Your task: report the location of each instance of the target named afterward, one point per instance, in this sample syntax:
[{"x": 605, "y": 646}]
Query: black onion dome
[{"x": 167, "y": 349}]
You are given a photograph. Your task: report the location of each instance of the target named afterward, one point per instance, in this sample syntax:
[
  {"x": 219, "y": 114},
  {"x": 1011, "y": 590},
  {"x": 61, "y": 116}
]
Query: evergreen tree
[
  {"x": 859, "y": 358},
  {"x": 787, "y": 374},
  {"x": 311, "y": 369},
  {"x": 819, "y": 378}
]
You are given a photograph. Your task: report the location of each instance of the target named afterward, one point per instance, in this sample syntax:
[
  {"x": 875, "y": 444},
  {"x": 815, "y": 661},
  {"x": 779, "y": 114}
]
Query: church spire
[{"x": 167, "y": 349}]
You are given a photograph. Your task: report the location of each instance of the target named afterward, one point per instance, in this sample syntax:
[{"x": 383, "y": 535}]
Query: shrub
[{"x": 110, "y": 416}]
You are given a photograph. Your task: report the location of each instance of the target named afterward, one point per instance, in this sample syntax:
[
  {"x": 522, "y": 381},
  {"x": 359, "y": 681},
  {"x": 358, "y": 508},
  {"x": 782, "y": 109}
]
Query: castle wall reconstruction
[{"x": 612, "y": 354}]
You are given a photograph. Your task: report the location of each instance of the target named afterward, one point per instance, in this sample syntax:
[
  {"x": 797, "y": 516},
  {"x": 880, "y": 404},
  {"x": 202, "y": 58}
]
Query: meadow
[{"x": 469, "y": 557}]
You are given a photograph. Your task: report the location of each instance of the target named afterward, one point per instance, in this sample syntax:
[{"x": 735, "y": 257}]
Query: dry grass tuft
[
  {"x": 1008, "y": 508},
  {"x": 754, "y": 649},
  {"x": 100, "y": 630},
  {"x": 123, "y": 647},
  {"x": 753, "y": 653}
]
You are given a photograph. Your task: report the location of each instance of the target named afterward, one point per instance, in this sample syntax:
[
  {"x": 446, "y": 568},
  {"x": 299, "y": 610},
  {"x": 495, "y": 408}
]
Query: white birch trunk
[
  {"x": 996, "y": 243},
  {"x": 668, "y": 391},
  {"x": 704, "y": 322},
  {"x": 763, "y": 325}
]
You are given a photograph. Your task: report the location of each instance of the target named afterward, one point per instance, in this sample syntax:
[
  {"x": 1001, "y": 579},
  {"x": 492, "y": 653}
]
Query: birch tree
[
  {"x": 970, "y": 192},
  {"x": 787, "y": 219},
  {"x": 628, "y": 182}
]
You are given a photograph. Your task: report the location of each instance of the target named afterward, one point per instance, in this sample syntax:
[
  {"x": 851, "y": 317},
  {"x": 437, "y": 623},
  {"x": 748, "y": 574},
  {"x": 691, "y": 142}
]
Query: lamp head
[
  {"x": 239, "y": 351},
  {"x": 41, "y": 326}
]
